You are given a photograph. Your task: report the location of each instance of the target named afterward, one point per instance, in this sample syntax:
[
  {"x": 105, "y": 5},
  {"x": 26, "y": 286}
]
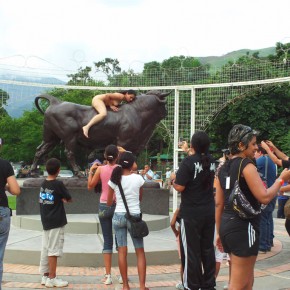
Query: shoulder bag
[
  {"x": 239, "y": 202},
  {"x": 138, "y": 227}
]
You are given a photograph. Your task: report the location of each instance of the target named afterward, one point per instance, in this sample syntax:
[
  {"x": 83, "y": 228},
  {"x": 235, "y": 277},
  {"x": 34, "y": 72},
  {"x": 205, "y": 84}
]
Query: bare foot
[{"x": 86, "y": 131}]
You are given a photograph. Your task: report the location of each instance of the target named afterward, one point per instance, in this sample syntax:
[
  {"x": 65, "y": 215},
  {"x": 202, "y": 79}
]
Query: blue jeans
[
  {"x": 105, "y": 216},
  {"x": 267, "y": 226},
  {"x": 4, "y": 233},
  {"x": 121, "y": 227},
  {"x": 281, "y": 204}
]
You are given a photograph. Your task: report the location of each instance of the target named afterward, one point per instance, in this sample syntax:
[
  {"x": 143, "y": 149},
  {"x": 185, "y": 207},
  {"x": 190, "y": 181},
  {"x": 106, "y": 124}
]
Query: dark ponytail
[
  {"x": 117, "y": 174},
  {"x": 200, "y": 143},
  {"x": 130, "y": 92},
  {"x": 126, "y": 161}
]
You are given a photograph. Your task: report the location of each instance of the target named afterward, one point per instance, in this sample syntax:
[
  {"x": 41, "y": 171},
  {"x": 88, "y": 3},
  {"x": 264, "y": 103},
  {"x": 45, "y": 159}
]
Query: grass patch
[{"x": 12, "y": 202}]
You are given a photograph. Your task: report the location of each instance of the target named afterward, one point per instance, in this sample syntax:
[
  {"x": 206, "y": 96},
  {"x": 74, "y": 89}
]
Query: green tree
[
  {"x": 264, "y": 110},
  {"x": 82, "y": 77}
]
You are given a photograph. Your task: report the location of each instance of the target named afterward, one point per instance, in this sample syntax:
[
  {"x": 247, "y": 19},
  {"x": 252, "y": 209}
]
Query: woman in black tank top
[{"x": 238, "y": 237}]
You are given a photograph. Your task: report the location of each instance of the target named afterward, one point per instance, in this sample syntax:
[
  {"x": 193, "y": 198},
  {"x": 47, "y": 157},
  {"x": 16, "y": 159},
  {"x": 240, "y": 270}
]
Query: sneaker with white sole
[
  {"x": 108, "y": 280},
  {"x": 43, "y": 280},
  {"x": 55, "y": 282},
  {"x": 179, "y": 286},
  {"x": 120, "y": 279}
]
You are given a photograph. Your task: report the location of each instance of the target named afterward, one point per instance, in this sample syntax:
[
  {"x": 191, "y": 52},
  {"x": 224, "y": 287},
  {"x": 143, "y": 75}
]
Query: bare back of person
[
  {"x": 101, "y": 102},
  {"x": 109, "y": 100}
]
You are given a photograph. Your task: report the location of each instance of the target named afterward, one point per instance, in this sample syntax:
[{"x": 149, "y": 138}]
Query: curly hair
[{"x": 240, "y": 133}]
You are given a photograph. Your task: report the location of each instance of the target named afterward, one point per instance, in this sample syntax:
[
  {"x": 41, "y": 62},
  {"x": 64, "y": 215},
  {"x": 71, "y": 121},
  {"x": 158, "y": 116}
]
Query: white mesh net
[{"x": 198, "y": 94}]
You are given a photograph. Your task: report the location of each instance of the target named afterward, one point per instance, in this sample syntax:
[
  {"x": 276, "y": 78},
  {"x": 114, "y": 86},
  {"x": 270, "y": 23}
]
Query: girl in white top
[{"x": 132, "y": 184}]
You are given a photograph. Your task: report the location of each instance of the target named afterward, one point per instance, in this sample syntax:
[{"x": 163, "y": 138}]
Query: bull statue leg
[
  {"x": 71, "y": 158},
  {"x": 42, "y": 150}
]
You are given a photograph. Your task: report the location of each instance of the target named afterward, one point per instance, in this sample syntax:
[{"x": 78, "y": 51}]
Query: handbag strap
[
  {"x": 124, "y": 198},
  {"x": 240, "y": 169},
  {"x": 266, "y": 169}
]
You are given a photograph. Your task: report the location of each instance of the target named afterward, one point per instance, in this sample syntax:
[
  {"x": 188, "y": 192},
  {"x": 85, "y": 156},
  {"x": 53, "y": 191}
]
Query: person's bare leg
[
  {"x": 123, "y": 266},
  {"x": 108, "y": 262},
  {"x": 217, "y": 268},
  {"x": 141, "y": 265},
  {"x": 101, "y": 109},
  {"x": 52, "y": 263},
  {"x": 242, "y": 272}
]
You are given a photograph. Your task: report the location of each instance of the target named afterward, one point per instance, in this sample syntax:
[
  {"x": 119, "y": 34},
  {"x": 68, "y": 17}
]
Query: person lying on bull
[{"x": 112, "y": 100}]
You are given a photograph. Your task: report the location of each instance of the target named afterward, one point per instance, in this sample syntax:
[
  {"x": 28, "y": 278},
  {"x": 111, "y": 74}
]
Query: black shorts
[{"x": 239, "y": 237}]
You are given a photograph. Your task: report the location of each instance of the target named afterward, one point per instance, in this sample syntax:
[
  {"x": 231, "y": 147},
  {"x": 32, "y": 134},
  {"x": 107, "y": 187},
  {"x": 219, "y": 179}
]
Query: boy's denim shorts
[{"x": 121, "y": 227}]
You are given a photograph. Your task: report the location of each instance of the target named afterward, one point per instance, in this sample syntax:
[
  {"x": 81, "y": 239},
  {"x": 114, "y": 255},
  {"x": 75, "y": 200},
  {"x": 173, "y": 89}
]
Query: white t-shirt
[
  {"x": 167, "y": 174},
  {"x": 131, "y": 186},
  {"x": 150, "y": 173}
]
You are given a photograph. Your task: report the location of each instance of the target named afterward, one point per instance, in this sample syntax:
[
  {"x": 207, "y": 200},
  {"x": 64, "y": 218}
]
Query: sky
[{"x": 60, "y": 36}]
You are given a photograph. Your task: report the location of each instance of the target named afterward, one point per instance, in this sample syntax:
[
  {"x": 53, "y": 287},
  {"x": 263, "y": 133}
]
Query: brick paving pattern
[{"x": 270, "y": 266}]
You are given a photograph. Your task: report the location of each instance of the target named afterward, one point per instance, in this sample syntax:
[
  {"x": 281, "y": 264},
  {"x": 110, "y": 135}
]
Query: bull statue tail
[{"x": 52, "y": 101}]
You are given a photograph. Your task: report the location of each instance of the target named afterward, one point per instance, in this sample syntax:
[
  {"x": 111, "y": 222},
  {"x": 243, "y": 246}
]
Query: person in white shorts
[{"x": 52, "y": 195}]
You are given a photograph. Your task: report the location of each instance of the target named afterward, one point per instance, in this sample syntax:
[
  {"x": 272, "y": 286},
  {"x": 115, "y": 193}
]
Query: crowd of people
[
  {"x": 204, "y": 187},
  {"x": 206, "y": 224}
]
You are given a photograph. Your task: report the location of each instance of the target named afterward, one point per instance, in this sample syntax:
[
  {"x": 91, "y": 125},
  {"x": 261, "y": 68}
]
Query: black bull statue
[{"x": 130, "y": 127}]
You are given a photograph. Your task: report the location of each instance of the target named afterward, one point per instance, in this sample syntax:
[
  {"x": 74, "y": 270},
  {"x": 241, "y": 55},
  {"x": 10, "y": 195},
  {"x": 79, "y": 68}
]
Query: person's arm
[
  {"x": 273, "y": 157},
  {"x": 257, "y": 187},
  {"x": 177, "y": 187},
  {"x": 94, "y": 178},
  {"x": 141, "y": 193},
  {"x": 173, "y": 223},
  {"x": 184, "y": 147},
  {"x": 115, "y": 99},
  {"x": 110, "y": 196},
  {"x": 280, "y": 154},
  {"x": 12, "y": 185},
  {"x": 285, "y": 188},
  {"x": 219, "y": 208},
  {"x": 66, "y": 197}
]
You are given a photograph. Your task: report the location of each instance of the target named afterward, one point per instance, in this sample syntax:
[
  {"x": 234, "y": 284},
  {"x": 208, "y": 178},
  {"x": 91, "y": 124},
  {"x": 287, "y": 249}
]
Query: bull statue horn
[{"x": 162, "y": 96}]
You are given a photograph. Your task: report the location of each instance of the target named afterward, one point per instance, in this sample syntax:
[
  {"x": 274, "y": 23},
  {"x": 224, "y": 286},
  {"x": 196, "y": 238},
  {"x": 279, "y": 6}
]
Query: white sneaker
[
  {"x": 55, "y": 282},
  {"x": 43, "y": 280},
  {"x": 120, "y": 279},
  {"x": 108, "y": 280},
  {"x": 179, "y": 286}
]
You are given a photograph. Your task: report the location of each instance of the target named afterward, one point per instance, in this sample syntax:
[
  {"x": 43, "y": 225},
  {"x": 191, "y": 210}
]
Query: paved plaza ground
[{"x": 272, "y": 272}]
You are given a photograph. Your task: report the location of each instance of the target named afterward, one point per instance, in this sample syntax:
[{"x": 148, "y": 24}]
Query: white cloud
[{"x": 68, "y": 34}]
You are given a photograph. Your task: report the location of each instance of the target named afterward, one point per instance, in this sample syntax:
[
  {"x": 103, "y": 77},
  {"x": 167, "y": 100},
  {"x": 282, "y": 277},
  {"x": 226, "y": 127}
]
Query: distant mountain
[
  {"x": 219, "y": 61},
  {"x": 22, "y": 97}
]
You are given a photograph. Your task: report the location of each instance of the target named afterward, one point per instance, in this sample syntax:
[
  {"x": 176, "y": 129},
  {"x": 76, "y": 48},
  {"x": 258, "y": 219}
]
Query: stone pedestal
[{"x": 155, "y": 200}]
